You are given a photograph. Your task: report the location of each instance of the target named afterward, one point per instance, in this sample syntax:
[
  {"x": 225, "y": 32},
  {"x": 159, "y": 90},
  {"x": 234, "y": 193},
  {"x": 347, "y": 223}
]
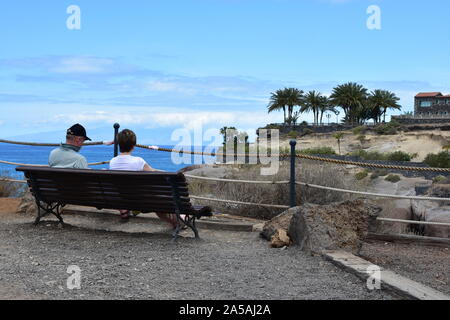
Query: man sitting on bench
[
  {"x": 67, "y": 155},
  {"x": 127, "y": 141}
]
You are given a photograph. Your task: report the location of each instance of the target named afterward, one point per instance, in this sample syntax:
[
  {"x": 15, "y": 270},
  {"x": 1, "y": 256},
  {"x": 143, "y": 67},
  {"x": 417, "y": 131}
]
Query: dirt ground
[
  {"x": 139, "y": 261},
  {"x": 425, "y": 264},
  {"x": 8, "y": 206}
]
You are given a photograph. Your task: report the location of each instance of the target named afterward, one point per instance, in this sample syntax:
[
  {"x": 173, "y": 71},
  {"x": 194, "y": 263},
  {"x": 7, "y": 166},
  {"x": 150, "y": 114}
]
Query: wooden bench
[{"x": 158, "y": 192}]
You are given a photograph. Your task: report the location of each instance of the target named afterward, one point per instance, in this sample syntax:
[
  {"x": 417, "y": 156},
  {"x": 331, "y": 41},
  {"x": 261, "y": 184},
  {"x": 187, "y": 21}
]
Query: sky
[{"x": 155, "y": 66}]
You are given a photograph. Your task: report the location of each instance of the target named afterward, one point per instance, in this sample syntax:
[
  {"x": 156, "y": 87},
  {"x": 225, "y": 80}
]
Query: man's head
[
  {"x": 76, "y": 135},
  {"x": 127, "y": 140}
]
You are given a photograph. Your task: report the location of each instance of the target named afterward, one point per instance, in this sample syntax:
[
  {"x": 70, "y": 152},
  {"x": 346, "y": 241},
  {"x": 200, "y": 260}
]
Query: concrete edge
[
  {"x": 390, "y": 281},
  {"x": 150, "y": 218}
]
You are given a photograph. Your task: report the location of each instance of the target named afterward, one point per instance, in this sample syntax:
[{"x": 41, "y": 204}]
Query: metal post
[
  {"x": 293, "y": 195},
  {"x": 116, "y": 145}
]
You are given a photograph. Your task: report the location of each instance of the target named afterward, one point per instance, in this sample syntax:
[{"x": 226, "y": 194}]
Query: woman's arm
[{"x": 148, "y": 168}]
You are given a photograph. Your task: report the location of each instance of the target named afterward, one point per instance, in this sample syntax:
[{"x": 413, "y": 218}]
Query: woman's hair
[{"x": 127, "y": 140}]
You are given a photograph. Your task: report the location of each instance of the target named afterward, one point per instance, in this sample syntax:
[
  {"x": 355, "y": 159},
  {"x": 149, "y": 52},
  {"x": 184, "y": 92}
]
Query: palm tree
[
  {"x": 352, "y": 98},
  {"x": 223, "y": 132},
  {"x": 294, "y": 97},
  {"x": 338, "y": 136},
  {"x": 312, "y": 102},
  {"x": 380, "y": 101},
  {"x": 278, "y": 101},
  {"x": 325, "y": 106}
]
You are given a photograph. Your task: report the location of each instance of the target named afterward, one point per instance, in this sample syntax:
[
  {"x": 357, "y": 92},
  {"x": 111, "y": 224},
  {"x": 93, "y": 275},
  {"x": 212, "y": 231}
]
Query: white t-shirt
[{"x": 127, "y": 163}]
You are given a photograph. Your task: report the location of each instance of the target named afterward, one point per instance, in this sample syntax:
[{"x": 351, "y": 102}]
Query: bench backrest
[{"x": 104, "y": 189}]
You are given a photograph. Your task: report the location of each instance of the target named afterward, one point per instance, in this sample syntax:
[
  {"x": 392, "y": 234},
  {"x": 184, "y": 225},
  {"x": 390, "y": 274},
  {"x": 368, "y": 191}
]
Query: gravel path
[{"x": 122, "y": 265}]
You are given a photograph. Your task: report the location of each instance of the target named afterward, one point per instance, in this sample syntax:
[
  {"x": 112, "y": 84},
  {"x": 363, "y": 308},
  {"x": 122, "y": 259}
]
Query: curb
[
  {"x": 241, "y": 226},
  {"x": 390, "y": 281}
]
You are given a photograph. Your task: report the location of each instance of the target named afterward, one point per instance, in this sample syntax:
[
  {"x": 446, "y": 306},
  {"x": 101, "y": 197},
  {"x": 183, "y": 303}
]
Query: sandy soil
[
  {"x": 8, "y": 205},
  {"x": 422, "y": 143}
]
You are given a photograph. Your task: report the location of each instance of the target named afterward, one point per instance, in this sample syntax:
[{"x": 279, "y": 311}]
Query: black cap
[{"x": 78, "y": 130}]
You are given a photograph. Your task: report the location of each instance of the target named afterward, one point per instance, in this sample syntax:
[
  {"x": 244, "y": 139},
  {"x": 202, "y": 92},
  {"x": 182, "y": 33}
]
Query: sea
[{"x": 39, "y": 155}]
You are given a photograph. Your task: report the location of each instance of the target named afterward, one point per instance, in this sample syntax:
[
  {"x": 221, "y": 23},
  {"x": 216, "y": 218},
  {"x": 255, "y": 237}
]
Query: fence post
[
  {"x": 116, "y": 146},
  {"x": 293, "y": 201}
]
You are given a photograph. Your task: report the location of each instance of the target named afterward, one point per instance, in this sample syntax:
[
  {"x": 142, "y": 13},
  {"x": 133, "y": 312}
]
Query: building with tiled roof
[{"x": 431, "y": 104}]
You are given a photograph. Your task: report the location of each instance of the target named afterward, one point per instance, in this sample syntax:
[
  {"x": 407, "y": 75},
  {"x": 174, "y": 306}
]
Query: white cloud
[
  {"x": 182, "y": 119},
  {"x": 82, "y": 65}
]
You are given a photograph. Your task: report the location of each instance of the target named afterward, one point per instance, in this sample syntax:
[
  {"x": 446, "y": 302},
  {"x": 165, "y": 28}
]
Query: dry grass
[
  {"x": 307, "y": 171},
  {"x": 10, "y": 189}
]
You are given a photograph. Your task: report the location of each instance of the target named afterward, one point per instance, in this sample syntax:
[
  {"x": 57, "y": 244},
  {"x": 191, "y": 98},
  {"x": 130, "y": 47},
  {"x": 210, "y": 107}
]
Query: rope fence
[
  {"x": 213, "y": 154},
  {"x": 41, "y": 144},
  {"x": 42, "y": 165},
  {"x": 292, "y": 182}
]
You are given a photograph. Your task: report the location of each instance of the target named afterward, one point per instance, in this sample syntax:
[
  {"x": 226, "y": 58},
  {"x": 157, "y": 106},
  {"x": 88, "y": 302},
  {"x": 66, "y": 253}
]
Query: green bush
[
  {"x": 369, "y": 155},
  {"x": 319, "y": 151},
  {"x": 293, "y": 134},
  {"x": 379, "y": 173},
  {"x": 439, "y": 179},
  {"x": 399, "y": 156},
  {"x": 440, "y": 160},
  {"x": 361, "y": 138},
  {"x": 359, "y": 130},
  {"x": 361, "y": 175},
  {"x": 307, "y": 131},
  {"x": 388, "y": 128},
  {"x": 393, "y": 178},
  {"x": 375, "y": 155}
]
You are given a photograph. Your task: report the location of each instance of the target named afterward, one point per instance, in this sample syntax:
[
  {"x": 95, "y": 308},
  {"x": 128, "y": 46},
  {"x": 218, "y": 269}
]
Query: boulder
[
  {"x": 441, "y": 214},
  {"x": 420, "y": 208},
  {"x": 441, "y": 191},
  {"x": 281, "y": 221},
  {"x": 316, "y": 228},
  {"x": 28, "y": 204},
  {"x": 280, "y": 239}
]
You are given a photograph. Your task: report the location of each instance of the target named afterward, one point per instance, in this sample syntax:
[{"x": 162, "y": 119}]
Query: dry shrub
[
  {"x": 307, "y": 171},
  {"x": 10, "y": 189}
]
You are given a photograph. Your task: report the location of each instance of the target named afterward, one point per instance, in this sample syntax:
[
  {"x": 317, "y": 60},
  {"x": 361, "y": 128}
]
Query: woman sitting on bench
[{"x": 125, "y": 161}]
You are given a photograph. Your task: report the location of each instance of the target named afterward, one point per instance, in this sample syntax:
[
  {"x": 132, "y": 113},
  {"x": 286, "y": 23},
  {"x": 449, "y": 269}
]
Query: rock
[
  {"x": 420, "y": 208},
  {"x": 442, "y": 215},
  {"x": 440, "y": 190},
  {"x": 28, "y": 205},
  {"x": 258, "y": 227},
  {"x": 315, "y": 228},
  {"x": 280, "y": 239},
  {"x": 281, "y": 221}
]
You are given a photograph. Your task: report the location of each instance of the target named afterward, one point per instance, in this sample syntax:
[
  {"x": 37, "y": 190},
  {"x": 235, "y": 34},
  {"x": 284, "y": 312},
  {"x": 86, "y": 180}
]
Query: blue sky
[{"x": 159, "y": 65}]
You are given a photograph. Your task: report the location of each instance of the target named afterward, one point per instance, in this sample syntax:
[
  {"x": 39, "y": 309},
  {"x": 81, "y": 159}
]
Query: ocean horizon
[{"x": 39, "y": 155}]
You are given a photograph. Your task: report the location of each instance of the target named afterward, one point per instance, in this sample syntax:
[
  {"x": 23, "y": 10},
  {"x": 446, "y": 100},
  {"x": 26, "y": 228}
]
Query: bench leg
[
  {"x": 57, "y": 213},
  {"x": 44, "y": 209},
  {"x": 39, "y": 216},
  {"x": 190, "y": 222}
]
